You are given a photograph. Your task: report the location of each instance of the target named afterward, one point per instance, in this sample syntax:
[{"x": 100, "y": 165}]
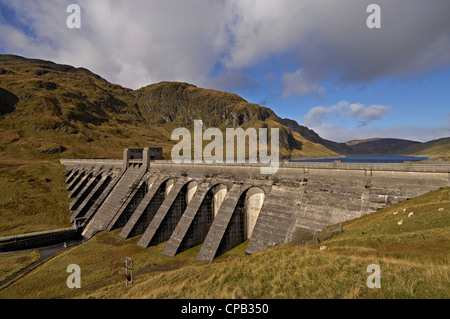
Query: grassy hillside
[
  {"x": 413, "y": 258},
  {"x": 382, "y": 146},
  {"x": 438, "y": 149},
  {"x": 33, "y": 196},
  {"x": 62, "y": 111},
  {"x": 50, "y": 111}
]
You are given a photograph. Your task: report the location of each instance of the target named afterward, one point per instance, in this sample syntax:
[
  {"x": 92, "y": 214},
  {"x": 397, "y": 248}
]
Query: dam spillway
[{"x": 221, "y": 205}]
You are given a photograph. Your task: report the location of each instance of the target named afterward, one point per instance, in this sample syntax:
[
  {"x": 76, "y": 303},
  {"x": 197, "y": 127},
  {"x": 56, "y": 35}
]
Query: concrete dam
[{"x": 222, "y": 205}]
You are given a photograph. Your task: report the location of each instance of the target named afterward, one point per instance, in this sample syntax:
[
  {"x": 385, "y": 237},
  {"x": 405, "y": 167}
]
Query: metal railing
[{"x": 35, "y": 234}]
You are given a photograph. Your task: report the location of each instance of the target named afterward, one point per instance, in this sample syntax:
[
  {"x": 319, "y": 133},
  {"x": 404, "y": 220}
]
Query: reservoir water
[{"x": 367, "y": 159}]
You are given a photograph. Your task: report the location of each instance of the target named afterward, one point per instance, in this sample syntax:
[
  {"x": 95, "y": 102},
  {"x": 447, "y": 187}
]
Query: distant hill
[
  {"x": 354, "y": 147},
  {"x": 381, "y": 146},
  {"x": 439, "y": 147},
  {"x": 354, "y": 142}
]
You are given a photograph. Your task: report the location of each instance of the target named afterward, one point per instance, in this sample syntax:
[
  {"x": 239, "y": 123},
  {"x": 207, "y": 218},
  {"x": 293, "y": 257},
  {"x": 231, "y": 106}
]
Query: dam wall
[{"x": 220, "y": 206}]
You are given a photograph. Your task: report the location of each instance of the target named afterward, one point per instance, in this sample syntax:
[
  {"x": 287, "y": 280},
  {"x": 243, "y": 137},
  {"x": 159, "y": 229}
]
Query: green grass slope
[
  {"x": 413, "y": 258},
  {"x": 438, "y": 149}
]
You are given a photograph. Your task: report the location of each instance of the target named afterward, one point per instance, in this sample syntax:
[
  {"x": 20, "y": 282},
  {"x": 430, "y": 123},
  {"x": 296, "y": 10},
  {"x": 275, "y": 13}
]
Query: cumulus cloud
[
  {"x": 364, "y": 114},
  {"x": 138, "y": 42},
  {"x": 298, "y": 83}
]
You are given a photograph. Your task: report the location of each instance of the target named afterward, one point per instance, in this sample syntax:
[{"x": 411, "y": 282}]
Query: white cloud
[
  {"x": 259, "y": 28},
  {"x": 364, "y": 114},
  {"x": 299, "y": 83}
]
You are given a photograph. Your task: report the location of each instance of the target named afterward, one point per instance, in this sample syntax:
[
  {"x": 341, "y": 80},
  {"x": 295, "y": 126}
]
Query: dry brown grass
[
  {"x": 33, "y": 197},
  {"x": 12, "y": 263}
]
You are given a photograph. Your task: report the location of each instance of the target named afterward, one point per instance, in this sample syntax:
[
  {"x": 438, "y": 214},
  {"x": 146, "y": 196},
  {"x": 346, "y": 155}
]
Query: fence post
[{"x": 128, "y": 271}]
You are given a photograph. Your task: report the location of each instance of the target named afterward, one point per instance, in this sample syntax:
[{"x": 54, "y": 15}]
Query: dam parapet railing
[{"x": 405, "y": 166}]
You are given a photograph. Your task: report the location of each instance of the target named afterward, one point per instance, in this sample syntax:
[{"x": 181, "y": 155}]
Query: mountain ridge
[
  {"x": 50, "y": 110},
  {"x": 60, "y": 110}
]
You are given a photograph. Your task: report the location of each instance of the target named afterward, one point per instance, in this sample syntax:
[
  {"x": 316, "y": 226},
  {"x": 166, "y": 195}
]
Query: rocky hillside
[
  {"x": 310, "y": 135},
  {"x": 49, "y": 110}
]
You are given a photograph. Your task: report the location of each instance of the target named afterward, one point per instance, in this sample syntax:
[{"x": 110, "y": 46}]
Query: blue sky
[{"x": 314, "y": 61}]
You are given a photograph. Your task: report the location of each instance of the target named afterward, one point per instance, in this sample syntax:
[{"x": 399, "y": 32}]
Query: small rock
[
  {"x": 400, "y": 222},
  {"x": 323, "y": 247},
  {"x": 410, "y": 214},
  {"x": 394, "y": 213}
]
